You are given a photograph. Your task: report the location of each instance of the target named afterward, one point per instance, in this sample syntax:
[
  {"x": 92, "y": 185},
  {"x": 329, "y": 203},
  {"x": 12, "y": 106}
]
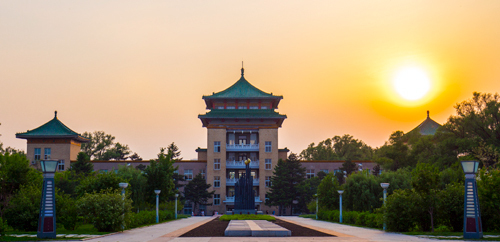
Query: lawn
[{"x": 247, "y": 217}]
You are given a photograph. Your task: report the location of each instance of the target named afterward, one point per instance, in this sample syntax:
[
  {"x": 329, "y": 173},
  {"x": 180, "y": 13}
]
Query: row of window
[
  {"x": 242, "y": 107},
  {"x": 268, "y": 146},
  {"x": 217, "y": 181},
  {"x": 46, "y": 153},
  {"x": 268, "y": 164}
]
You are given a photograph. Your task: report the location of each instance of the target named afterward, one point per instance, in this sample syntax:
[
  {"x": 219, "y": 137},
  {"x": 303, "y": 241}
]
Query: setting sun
[{"x": 411, "y": 83}]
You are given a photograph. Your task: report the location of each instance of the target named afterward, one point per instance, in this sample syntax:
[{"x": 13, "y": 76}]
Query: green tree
[
  {"x": 348, "y": 167},
  {"x": 328, "y": 197},
  {"x": 159, "y": 175},
  {"x": 307, "y": 189},
  {"x": 24, "y": 208},
  {"x": 82, "y": 165},
  {"x": 362, "y": 192},
  {"x": 488, "y": 185},
  {"x": 450, "y": 206},
  {"x": 98, "y": 183},
  {"x": 67, "y": 181},
  {"x": 394, "y": 154},
  {"x": 287, "y": 176},
  {"x": 99, "y": 143},
  {"x": 137, "y": 185},
  {"x": 338, "y": 148},
  {"x": 196, "y": 191},
  {"x": 174, "y": 151},
  {"x": 118, "y": 152},
  {"x": 425, "y": 182},
  {"x": 66, "y": 210}
]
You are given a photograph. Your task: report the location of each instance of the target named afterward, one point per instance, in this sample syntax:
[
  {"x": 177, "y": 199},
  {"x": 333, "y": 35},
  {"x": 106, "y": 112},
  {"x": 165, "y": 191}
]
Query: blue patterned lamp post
[
  {"x": 472, "y": 214},
  {"x": 157, "y": 198},
  {"x": 47, "y": 218},
  {"x": 385, "y": 186},
  {"x": 123, "y": 185},
  {"x": 340, "y": 205}
]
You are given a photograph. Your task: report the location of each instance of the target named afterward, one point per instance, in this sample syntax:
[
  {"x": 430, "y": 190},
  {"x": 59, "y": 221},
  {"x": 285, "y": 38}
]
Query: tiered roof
[
  {"x": 52, "y": 129},
  {"x": 428, "y": 127}
]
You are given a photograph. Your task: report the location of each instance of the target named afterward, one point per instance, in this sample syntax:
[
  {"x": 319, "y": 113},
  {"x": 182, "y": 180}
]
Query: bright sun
[{"x": 411, "y": 83}]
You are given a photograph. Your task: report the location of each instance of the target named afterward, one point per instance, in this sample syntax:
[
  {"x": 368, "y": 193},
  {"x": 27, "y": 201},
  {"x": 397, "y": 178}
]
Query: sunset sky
[{"x": 138, "y": 69}]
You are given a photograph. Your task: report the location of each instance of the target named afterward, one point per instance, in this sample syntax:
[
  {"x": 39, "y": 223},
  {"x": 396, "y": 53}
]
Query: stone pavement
[
  {"x": 255, "y": 228},
  {"x": 171, "y": 231}
]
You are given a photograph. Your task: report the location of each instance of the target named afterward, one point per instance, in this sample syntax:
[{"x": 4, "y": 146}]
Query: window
[
  {"x": 217, "y": 146},
  {"x": 242, "y": 107},
  {"x": 103, "y": 170},
  {"x": 254, "y": 107},
  {"x": 268, "y": 181},
  {"x": 268, "y": 146},
  {"x": 230, "y": 107},
  {"x": 263, "y": 107},
  {"x": 216, "y": 199},
  {"x": 220, "y": 107},
  {"x": 38, "y": 153},
  {"x": 325, "y": 171},
  {"x": 310, "y": 173},
  {"x": 46, "y": 154},
  {"x": 188, "y": 174},
  {"x": 268, "y": 164},
  {"x": 116, "y": 171},
  {"x": 336, "y": 171},
  {"x": 60, "y": 165},
  {"x": 216, "y": 181},
  {"x": 202, "y": 172},
  {"x": 216, "y": 164}
]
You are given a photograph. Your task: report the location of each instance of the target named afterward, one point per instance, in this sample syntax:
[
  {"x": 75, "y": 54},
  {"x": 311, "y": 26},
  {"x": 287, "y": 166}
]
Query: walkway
[{"x": 171, "y": 231}]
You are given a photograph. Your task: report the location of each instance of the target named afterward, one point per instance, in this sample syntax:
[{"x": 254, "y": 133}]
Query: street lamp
[
  {"x": 316, "y": 195},
  {"x": 340, "y": 193},
  {"x": 157, "y": 198},
  {"x": 384, "y": 186},
  {"x": 472, "y": 214},
  {"x": 176, "y": 195},
  {"x": 123, "y": 185},
  {"x": 47, "y": 218}
]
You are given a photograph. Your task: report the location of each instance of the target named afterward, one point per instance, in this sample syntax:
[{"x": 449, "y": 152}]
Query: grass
[
  {"x": 313, "y": 216},
  {"x": 247, "y": 217}
]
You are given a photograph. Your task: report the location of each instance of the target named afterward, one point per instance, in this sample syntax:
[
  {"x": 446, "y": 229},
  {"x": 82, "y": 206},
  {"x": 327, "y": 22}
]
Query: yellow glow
[{"x": 412, "y": 83}]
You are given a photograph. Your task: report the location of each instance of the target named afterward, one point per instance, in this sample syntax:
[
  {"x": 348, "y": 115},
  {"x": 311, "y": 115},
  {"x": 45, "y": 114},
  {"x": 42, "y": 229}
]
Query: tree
[
  {"x": 328, "y": 197},
  {"x": 287, "y": 176},
  {"x": 197, "y": 192},
  {"x": 99, "y": 143},
  {"x": 174, "y": 151},
  {"x": 425, "y": 182},
  {"x": 82, "y": 165},
  {"x": 137, "y": 185},
  {"x": 159, "y": 177},
  {"x": 362, "y": 192},
  {"x": 99, "y": 183},
  {"x": 348, "y": 167},
  {"x": 307, "y": 189},
  {"x": 338, "y": 148},
  {"x": 118, "y": 152},
  {"x": 135, "y": 157},
  {"x": 488, "y": 185}
]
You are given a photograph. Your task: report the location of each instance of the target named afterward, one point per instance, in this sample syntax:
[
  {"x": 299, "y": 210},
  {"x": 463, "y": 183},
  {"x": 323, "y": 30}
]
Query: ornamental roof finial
[
  {"x": 242, "y": 69},
  {"x": 427, "y": 113},
  {"x": 55, "y": 114}
]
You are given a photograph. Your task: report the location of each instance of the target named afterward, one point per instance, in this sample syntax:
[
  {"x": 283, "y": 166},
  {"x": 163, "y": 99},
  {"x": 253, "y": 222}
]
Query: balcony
[
  {"x": 242, "y": 147},
  {"x": 241, "y": 164},
  {"x": 232, "y": 181},
  {"x": 231, "y": 199}
]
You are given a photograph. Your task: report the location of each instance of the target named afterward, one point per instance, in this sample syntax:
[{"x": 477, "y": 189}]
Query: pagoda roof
[
  {"x": 52, "y": 129},
  {"x": 428, "y": 127},
  {"x": 241, "y": 114},
  {"x": 242, "y": 89}
]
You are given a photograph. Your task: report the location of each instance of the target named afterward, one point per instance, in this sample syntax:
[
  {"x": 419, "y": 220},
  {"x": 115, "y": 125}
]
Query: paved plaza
[{"x": 171, "y": 231}]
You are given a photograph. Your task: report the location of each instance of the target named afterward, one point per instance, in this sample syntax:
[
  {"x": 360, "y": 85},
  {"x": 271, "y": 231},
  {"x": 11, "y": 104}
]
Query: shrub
[
  {"x": 349, "y": 217},
  {"x": 451, "y": 206},
  {"x": 399, "y": 211},
  {"x": 3, "y": 226},
  {"x": 488, "y": 185},
  {"x": 105, "y": 211},
  {"x": 24, "y": 208},
  {"x": 67, "y": 211},
  {"x": 149, "y": 217}
]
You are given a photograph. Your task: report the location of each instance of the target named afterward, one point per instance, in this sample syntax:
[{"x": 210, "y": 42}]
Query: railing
[
  {"x": 241, "y": 164},
  {"x": 246, "y": 147},
  {"x": 231, "y": 199},
  {"x": 232, "y": 181}
]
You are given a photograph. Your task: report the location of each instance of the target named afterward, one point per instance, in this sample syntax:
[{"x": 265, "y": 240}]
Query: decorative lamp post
[
  {"x": 123, "y": 185},
  {"x": 472, "y": 214},
  {"x": 316, "y": 195},
  {"x": 340, "y": 193},
  {"x": 176, "y": 196},
  {"x": 157, "y": 198},
  {"x": 384, "y": 186},
  {"x": 47, "y": 218}
]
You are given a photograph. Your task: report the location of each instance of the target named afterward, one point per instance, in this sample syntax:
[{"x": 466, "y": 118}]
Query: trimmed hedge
[
  {"x": 367, "y": 219},
  {"x": 149, "y": 217}
]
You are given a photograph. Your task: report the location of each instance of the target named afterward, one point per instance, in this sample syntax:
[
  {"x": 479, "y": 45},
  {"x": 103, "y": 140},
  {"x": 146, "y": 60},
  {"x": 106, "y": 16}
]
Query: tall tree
[
  {"x": 196, "y": 191},
  {"x": 425, "y": 182},
  {"x": 174, "y": 151},
  {"x": 99, "y": 143},
  {"x": 338, "y": 148},
  {"x": 328, "y": 197},
  {"x": 82, "y": 165},
  {"x": 159, "y": 177},
  {"x": 287, "y": 176}
]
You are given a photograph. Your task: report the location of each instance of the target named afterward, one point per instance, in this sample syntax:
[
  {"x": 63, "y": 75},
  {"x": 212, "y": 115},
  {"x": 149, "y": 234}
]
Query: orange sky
[{"x": 138, "y": 69}]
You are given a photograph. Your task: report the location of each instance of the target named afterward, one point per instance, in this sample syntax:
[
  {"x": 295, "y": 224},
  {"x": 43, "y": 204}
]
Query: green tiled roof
[
  {"x": 242, "y": 113},
  {"x": 242, "y": 89},
  {"x": 52, "y": 129},
  {"x": 428, "y": 127}
]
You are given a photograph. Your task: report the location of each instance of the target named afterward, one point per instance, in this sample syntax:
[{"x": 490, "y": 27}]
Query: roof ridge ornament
[
  {"x": 242, "y": 69},
  {"x": 55, "y": 114},
  {"x": 427, "y": 113}
]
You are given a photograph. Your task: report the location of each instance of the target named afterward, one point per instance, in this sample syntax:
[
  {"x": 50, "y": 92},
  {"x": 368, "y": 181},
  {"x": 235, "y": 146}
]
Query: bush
[
  {"x": 149, "y": 217},
  {"x": 67, "y": 211},
  {"x": 400, "y": 211},
  {"x": 3, "y": 226},
  {"x": 367, "y": 219},
  {"x": 24, "y": 208},
  {"x": 450, "y": 210},
  {"x": 98, "y": 183},
  {"x": 247, "y": 217},
  {"x": 105, "y": 211},
  {"x": 488, "y": 185}
]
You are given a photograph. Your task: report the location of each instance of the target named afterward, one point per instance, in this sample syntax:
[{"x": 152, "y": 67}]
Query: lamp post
[
  {"x": 384, "y": 186},
  {"x": 176, "y": 195},
  {"x": 340, "y": 205},
  {"x": 123, "y": 185},
  {"x": 472, "y": 214},
  {"x": 157, "y": 198},
  {"x": 47, "y": 218},
  {"x": 316, "y": 195}
]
